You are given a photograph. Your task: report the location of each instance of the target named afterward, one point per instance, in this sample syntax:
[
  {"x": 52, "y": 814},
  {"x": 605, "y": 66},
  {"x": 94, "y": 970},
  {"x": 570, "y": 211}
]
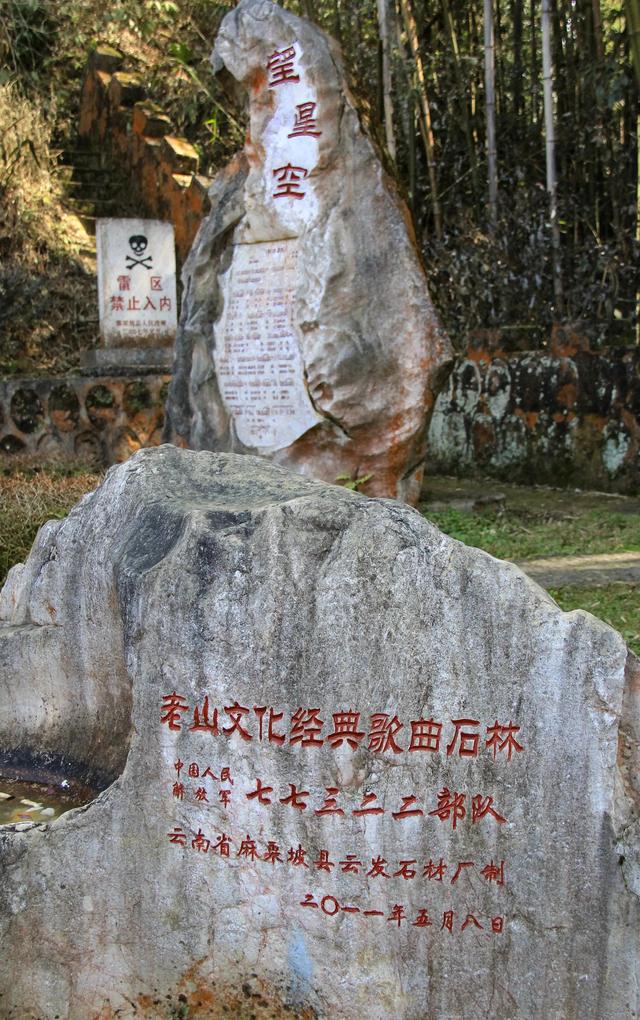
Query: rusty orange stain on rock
[
  {"x": 530, "y": 418},
  {"x": 257, "y": 80},
  {"x": 567, "y": 395}
]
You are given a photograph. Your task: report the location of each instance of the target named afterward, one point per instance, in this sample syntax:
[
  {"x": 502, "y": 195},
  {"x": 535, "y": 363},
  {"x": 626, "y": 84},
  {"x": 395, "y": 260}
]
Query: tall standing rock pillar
[{"x": 307, "y": 333}]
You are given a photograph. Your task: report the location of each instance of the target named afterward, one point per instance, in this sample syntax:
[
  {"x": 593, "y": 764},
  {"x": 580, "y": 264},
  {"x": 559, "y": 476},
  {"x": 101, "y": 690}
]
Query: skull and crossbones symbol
[{"x": 138, "y": 244}]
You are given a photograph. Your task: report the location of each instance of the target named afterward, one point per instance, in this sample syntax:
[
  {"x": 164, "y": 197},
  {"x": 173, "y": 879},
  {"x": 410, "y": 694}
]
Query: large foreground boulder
[{"x": 356, "y": 768}]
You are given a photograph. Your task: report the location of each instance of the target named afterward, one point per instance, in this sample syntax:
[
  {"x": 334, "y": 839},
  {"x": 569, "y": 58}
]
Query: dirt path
[{"x": 583, "y": 571}]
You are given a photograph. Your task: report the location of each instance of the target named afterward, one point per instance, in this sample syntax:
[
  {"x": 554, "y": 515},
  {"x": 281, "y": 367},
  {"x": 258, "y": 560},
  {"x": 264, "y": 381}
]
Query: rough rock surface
[
  {"x": 364, "y": 355},
  {"x": 191, "y": 584}
]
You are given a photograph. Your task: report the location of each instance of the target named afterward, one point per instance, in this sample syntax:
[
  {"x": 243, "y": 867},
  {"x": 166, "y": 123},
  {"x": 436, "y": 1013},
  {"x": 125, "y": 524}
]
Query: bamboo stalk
[
  {"x": 632, "y": 10},
  {"x": 490, "y": 108},
  {"x": 387, "y": 102},
  {"x": 424, "y": 111},
  {"x": 550, "y": 147},
  {"x": 453, "y": 42}
]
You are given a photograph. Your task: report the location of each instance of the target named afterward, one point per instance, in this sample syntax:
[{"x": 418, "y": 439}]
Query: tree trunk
[
  {"x": 632, "y": 9},
  {"x": 462, "y": 90},
  {"x": 387, "y": 103},
  {"x": 490, "y": 106},
  {"x": 550, "y": 145},
  {"x": 424, "y": 111},
  {"x": 534, "y": 67},
  {"x": 597, "y": 30},
  {"x": 411, "y": 111},
  {"x": 516, "y": 14}
]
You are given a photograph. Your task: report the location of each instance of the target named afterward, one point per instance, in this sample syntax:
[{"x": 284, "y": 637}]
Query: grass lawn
[
  {"x": 518, "y": 535},
  {"x": 616, "y": 604},
  {"x": 29, "y": 498},
  {"x": 518, "y": 523}
]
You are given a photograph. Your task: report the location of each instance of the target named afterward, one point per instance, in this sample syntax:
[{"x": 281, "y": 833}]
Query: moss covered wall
[{"x": 561, "y": 416}]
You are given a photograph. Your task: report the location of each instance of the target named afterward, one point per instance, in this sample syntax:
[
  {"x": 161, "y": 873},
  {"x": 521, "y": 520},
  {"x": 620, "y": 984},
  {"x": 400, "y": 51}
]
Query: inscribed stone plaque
[
  {"x": 136, "y": 282},
  {"x": 256, "y": 353}
]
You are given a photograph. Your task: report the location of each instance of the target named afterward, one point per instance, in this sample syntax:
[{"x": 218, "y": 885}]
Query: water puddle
[{"x": 26, "y": 800}]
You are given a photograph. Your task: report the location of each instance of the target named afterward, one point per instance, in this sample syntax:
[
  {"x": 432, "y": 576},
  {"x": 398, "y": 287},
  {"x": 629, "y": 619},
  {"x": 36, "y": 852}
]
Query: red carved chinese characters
[
  {"x": 288, "y": 178},
  {"x": 482, "y": 806},
  {"x": 280, "y": 67},
  {"x": 468, "y": 741},
  {"x": 407, "y": 870},
  {"x": 265, "y": 723},
  {"x": 366, "y": 807},
  {"x": 272, "y": 735},
  {"x": 248, "y": 849},
  {"x": 502, "y": 738},
  {"x": 450, "y": 807},
  {"x": 236, "y": 713},
  {"x": 382, "y": 733},
  {"x": 323, "y": 863},
  {"x": 272, "y": 853},
  {"x": 297, "y": 857},
  {"x": 306, "y": 724},
  {"x": 172, "y": 707},
  {"x": 425, "y": 735},
  {"x": 345, "y": 728},
  {"x": 305, "y": 123},
  {"x": 294, "y": 798},
  {"x": 407, "y": 810},
  {"x": 330, "y": 806},
  {"x": 201, "y": 720},
  {"x": 223, "y": 846},
  {"x": 260, "y": 793},
  {"x": 494, "y": 873}
]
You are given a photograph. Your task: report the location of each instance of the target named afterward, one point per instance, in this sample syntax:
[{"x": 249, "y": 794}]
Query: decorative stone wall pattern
[
  {"x": 163, "y": 167},
  {"x": 354, "y": 765},
  {"x": 102, "y": 420},
  {"x": 564, "y": 416}
]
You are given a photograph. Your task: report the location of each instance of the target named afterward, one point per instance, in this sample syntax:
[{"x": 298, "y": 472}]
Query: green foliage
[
  {"x": 539, "y": 523},
  {"x": 29, "y": 498},
  {"x": 616, "y": 604},
  {"x": 526, "y": 534},
  {"x": 478, "y": 278},
  {"x": 26, "y": 30},
  {"x": 27, "y": 185},
  {"x": 353, "y": 483}
]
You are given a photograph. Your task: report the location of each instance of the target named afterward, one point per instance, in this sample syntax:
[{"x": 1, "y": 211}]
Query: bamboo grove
[{"x": 513, "y": 128}]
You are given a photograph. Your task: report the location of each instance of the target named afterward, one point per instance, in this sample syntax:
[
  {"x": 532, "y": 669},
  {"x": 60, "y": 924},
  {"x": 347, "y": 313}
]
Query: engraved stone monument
[
  {"x": 351, "y": 767},
  {"x": 136, "y": 294},
  {"x": 307, "y": 333}
]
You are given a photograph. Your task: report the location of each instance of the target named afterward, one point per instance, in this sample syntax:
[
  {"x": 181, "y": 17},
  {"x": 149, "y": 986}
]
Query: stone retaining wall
[
  {"x": 563, "y": 416},
  {"x": 101, "y": 420},
  {"x": 114, "y": 112}
]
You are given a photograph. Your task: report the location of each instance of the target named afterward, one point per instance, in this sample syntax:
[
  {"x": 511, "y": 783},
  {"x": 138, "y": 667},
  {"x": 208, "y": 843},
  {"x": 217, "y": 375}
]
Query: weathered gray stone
[
  {"x": 307, "y": 333},
  {"x": 125, "y": 360},
  {"x": 225, "y": 577}
]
